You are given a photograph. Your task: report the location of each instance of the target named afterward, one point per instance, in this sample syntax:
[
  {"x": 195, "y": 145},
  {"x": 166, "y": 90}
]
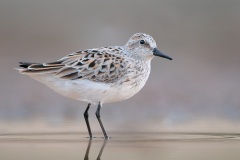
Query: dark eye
[{"x": 142, "y": 42}]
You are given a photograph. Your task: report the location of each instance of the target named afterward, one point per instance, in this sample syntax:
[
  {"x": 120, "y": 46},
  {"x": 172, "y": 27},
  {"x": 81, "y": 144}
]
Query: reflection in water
[
  {"x": 86, "y": 157},
  {"x": 128, "y": 146}
]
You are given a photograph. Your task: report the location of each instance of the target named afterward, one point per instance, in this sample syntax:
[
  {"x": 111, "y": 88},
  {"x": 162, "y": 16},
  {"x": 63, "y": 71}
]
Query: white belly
[{"x": 88, "y": 91}]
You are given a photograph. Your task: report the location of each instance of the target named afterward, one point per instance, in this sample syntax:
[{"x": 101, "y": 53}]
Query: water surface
[{"x": 128, "y": 146}]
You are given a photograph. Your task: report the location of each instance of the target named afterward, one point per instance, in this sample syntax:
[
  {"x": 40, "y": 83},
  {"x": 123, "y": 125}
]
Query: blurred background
[{"x": 199, "y": 91}]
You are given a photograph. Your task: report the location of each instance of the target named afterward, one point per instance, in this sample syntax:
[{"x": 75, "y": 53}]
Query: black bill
[{"x": 156, "y": 52}]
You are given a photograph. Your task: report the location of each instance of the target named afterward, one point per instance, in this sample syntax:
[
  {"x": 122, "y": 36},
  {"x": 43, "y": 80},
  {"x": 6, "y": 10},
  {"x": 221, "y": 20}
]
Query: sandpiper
[{"x": 99, "y": 75}]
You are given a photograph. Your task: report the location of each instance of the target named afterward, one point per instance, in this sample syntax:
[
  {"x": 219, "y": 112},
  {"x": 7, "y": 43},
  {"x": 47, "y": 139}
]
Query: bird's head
[{"x": 145, "y": 46}]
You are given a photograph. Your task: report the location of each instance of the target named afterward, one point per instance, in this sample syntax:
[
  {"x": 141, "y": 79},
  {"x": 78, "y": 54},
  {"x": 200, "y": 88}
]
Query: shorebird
[{"x": 99, "y": 75}]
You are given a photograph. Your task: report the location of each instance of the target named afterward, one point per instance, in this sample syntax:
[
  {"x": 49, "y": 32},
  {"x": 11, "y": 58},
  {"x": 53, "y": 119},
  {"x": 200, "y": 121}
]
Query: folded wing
[{"x": 95, "y": 65}]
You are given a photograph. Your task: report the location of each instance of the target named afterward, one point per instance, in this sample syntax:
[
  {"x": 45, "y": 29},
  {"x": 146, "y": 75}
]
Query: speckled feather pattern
[{"x": 120, "y": 69}]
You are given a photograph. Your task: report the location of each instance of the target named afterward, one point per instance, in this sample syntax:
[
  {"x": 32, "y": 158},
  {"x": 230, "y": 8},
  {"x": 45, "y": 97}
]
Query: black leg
[
  {"x": 100, "y": 122},
  {"x": 87, "y": 122}
]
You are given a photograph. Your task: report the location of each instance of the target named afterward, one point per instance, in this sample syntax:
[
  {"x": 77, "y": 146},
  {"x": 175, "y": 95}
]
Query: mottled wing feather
[
  {"x": 99, "y": 65},
  {"x": 94, "y": 65}
]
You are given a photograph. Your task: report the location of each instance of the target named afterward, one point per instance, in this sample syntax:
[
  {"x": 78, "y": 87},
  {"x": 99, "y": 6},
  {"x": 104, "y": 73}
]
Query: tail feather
[
  {"x": 26, "y": 64},
  {"x": 38, "y": 68}
]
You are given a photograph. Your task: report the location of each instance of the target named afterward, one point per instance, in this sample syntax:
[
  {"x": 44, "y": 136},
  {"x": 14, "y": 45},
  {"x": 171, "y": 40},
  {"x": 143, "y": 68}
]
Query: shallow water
[{"x": 128, "y": 146}]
